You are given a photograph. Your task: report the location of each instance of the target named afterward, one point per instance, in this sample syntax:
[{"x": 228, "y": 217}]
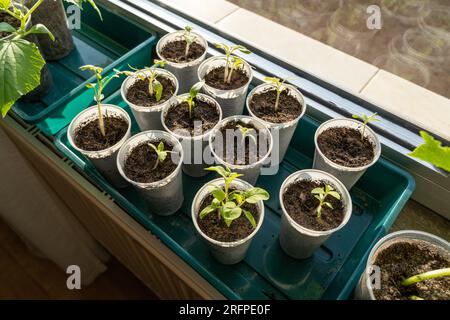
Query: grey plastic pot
[
  {"x": 251, "y": 171},
  {"x": 194, "y": 148},
  {"x": 103, "y": 160},
  {"x": 186, "y": 73},
  {"x": 231, "y": 101},
  {"x": 296, "y": 240},
  {"x": 164, "y": 197},
  {"x": 364, "y": 289},
  {"x": 148, "y": 118},
  {"x": 347, "y": 175},
  {"x": 282, "y": 132},
  {"x": 225, "y": 252}
]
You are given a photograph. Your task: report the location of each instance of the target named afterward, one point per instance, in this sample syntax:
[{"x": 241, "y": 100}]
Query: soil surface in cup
[
  {"x": 139, "y": 93},
  {"x": 344, "y": 146},
  {"x": 204, "y": 117},
  {"x": 4, "y": 17},
  {"x": 214, "y": 78},
  {"x": 214, "y": 226},
  {"x": 175, "y": 51},
  {"x": 89, "y": 137},
  {"x": 263, "y": 106},
  {"x": 302, "y": 206},
  {"x": 140, "y": 166},
  {"x": 238, "y": 149},
  {"x": 406, "y": 258}
]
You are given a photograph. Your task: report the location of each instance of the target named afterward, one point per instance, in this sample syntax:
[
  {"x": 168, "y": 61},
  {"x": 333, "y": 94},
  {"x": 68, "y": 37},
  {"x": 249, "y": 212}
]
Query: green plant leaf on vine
[
  {"x": 433, "y": 152},
  {"x": 20, "y": 71}
]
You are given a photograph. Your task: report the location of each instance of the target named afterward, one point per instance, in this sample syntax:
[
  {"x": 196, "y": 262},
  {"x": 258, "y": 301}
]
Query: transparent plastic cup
[
  {"x": 163, "y": 197},
  {"x": 347, "y": 175},
  {"x": 232, "y": 101},
  {"x": 103, "y": 160},
  {"x": 185, "y": 72},
  {"x": 149, "y": 118},
  {"x": 225, "y": 252},
  {"x": 251, "y": 171},
  {"x": 296, "y": 240}
]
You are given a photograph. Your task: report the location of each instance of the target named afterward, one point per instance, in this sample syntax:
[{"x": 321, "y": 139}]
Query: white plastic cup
[
  {"x": 225, "y": 252},
  {"x": 163, "y": 197},
  {"x": 103, "y": 160},
  {"x": 298, "y": 241},
  {"x": 347, "y": 175}
]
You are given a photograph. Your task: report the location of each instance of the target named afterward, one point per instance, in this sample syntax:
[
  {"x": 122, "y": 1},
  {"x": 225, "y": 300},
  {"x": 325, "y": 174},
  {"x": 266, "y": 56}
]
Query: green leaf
[
  {"x": 317, "y": 191},
  {"x": 335, "y": 194},
  {"x": 218, "y": 193},
  {"x": 41, "y": 29},
  {"x": 157, "y": 89},
  {"x": 207, "y": 210},
  {"x": 255, "y": 195},
  {"x": 20, "y": 71},
  {"x": 230, "y": 211},
  {"x": 161, "y": 146},
  {"x": 195, "y": 89},
  {"x": 329, "y": 205},
  {"x": 237, "y": 196},
  {"x": 6, "y": 27},
  {"x": 5, "y": 4},
  {"x": 250, "y": 218},
  {"x": 220, "y": 170},
  {"x": 79, "y": 3},
  {"x": 433, "y": 152},
  {"x": 92, "y": 68}
]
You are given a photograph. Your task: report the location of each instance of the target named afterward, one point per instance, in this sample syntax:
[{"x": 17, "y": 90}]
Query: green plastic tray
[
  {"x": 267, "y": 272},
  {"x": 111, "y": 43}
]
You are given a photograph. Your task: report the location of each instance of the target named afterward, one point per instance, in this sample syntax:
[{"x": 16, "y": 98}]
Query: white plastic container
[
  {"x": 149, "y": 118},
  {"x": 232, "y": 101},
  {"x": 347, "y": 175},
  {"x": 225, "y": 252},
  {"x": 298, "y": 241},
  {"x": 103, "y": 160},
  {"x": 163, "y": 197}
]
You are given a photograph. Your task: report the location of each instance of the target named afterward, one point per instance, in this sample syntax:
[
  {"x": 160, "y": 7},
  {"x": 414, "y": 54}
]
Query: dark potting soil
[
  {"x": 214, "y": 226},
  {"x": 301, "y": 205},
  {"x": 203, "y": 112},
  {"x": 4, "y": 17},
  {"x": 214, "y": 78},
  {"x": 89, "y": 137},
  {"x": 263, "y": 106},
  {"x": 139, "y": 94},
  {"x": 407, "y": 258},
  {"x": 175, "y": 51},
  {"x": 232, "y": 142},
  {"x": 139, "y": 166},
  {"x": 344, "y": 146}
]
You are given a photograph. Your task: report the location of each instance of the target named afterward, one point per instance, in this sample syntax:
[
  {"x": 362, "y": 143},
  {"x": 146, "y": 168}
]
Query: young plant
[
  {"x": 162, "y": 154},
  {"x": 366, "y": 119},
  {"x": 247, "y": 132},
  {"x": 433, "y": 152},
  {"x": 228, "y": 204},
  {"x": 278, "y": 87},
  {"x": 321, "y": 194},
  {"x": 98, "y": 88},
  {"x": 189, "y": 38},
  {"x": 235, "y": 65},
  {"x": 425, "y": 276},
  {"x": 192, "y": 95},
  {"x": 229, "y": 61}
]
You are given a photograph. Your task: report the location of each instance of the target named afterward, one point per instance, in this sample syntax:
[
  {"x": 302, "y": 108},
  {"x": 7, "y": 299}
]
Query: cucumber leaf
[{"x": 433, "y": 152}]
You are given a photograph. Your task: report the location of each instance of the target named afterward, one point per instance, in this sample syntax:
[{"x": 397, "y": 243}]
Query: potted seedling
[
  {"x": 407, "y": 265},
  {"x": 147, "y": 92},
  {"x": 183, "y": 51},
  {"x": 346, "y": 148},
  {"x": 314, "y": 206},
  {"x": 280, "y": 106},
  {"x": 242, "y": 144},
  {"x": 227, "y": 213},
  {"x": 227, "y": 79},
  {"x": 151, "y": 162},
  {"x": 191, "y": 119},
  {"x": 99, "y": 131}
]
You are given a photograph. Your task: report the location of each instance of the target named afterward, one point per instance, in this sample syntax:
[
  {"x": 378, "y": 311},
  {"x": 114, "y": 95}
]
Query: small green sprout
[
  {"x": 229, "y": 204},
  {"x": 321, "y": 194},
  {"x": 425, "y": 276},
  {"x": 366, "y": 119},
  {"x": 278, "y": 87},
  {"x": 189, "y": 38},
  {"x": 98, "y": 88},
  {"x": 162, "y": 154},
  {"x": 247, "y": 132},
  {"x": 229, "y": 61},
  {"x": 433, "y": 152},
  {"x": 193, "y": 92},
  {"x": 236, "y": 63}
]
